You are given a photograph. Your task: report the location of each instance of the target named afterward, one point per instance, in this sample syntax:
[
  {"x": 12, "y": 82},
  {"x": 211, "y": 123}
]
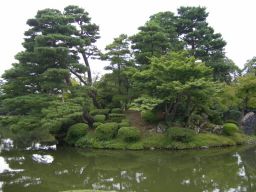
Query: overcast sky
[{"x": 235, "y": 20}]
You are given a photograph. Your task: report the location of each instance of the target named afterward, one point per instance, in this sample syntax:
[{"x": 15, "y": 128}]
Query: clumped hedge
[
  {"x": 116, "y": 117},
  {"x": 99, "y": 118},
  {"x": 106, "y": 131},
  {"x": 75, "y": 132},
  {"x": 116, "y": 110},
  {"x": 124, "y": 123},
  {"x": 230, "y": 128},
  {"x": 96, "y": 124},
  {"x": 180, "y": 134},
  {"x": 129, "y": 134},
  {"x": 99, "y": 112}
]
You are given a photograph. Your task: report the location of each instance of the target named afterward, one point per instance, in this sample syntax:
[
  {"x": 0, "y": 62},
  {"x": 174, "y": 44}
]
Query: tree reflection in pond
[{"x": 231, "y": 169}]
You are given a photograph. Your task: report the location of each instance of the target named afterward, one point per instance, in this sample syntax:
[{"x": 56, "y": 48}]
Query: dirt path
[{"x": 136, "y": 121}]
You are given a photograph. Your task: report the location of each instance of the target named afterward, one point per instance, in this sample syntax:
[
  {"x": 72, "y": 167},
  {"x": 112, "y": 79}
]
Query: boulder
[{"x": 248, "y": 123}]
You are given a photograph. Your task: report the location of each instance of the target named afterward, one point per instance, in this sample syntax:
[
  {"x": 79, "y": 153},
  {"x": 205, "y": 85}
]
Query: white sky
[{"x": 235, "y": 20}]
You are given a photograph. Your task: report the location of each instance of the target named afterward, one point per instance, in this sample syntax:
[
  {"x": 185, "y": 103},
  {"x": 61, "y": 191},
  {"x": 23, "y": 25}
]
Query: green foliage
[
  {"x": 116, "y": 117},
  {"x": 212, "y": 140},
  {"x": 154, "y": 140},
  {"x": 129, "y": 134},
  {"x": 59, "y": 116},
  {"x": 99, "y": 118},
  {"x": 189, "y": 89},
  {"x": 99, "y": 112},
  {"x": 145, "y": 103},
  {"x": 149, "y": 116},
  {"x": 233, "y": 115},
  {"x": 230, "y": 128},
  {"x": 116, "y": 110},
  {"x": 75, "y": 132},
  {"x": 106, "y": 131},
  {"x": 96, "y": 124},
  {"x": 232, "y": 121},
  {"x": 246, "y": 91},
  {"x": 123, "y": 124},
  {"x": 180, "y": 134}
]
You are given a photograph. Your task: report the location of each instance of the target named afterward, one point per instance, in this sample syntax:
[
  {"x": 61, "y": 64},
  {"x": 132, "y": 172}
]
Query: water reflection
[{"x": 229, "y": 170}]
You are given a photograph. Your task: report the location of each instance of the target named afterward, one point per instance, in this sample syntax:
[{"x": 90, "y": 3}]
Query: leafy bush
[
  {"x": 116, "y": 117},
  {"x": 96, "y": 124},
  {"x": 75, "y": 132},
  {"x": 181, "y": 134},
  {"x": 149, "y": 116},
  {"x": 106, "y": 131},
  {"x": 129, "y": 134},
  {"x": 99, "y": 118},
  {"x": 124, "y": 124},
  {"x": 116, "y": 110},
  {"x": 233, "y": 114},
  {"x": 230, "y": 128},
  {"x": 232, "y": 121},
  {"x": 99, "y": 112}
]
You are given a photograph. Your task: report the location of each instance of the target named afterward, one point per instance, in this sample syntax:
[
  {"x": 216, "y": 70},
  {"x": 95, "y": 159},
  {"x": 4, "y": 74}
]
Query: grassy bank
[{"x": 161, "y": 141}]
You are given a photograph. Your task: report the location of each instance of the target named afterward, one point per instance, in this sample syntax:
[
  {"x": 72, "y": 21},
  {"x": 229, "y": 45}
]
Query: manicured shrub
[
  {"x": 99, "y": 118},
  {"x": 75, "y": 132},
  {"x": 116, "y": 110},
  {"x": 106, "y": 131},
  {"x": 124, "y": 124},
  {"x": 129, "y": 134},
  {"x": 180, "y": 134},
  {"x": 232, "y": 121},
  {"x": 116, "y": 117},
  {"x": 96, "y": 124},
  {"x": 99, "y": 112},
  {"x": 230, "y": 128},
  {"x": 149, "y": 116}
]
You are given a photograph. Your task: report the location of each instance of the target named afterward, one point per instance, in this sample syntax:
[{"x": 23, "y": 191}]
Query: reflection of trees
[
  {"x": 143, "y": 170},
  {"x": 249, "y": 162}
]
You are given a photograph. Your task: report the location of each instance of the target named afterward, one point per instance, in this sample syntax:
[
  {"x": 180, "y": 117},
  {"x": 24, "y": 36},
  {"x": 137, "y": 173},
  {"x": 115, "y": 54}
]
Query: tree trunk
[
  {"x": 87, "y": 118},
  {"x": 174, "y": 109},
  {"x": 119, "y": 79},
  {"x": 93, "y": 95},
  {"x": 89, "y": 74}
]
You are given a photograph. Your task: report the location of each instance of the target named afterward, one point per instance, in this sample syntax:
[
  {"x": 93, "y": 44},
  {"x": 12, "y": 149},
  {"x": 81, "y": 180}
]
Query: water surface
[{"x": 215, "y": 170}]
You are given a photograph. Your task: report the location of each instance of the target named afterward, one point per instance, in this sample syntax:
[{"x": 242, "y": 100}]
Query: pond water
[{"x": 214, "y": 170}]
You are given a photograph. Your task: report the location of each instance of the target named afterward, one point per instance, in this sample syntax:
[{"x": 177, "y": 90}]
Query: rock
[
  {"x": 217, "y": 129},
  {"x": 248, "y": 123},
  {"x": 161, "y": 128},
  {"x": 204, "y": 147}
]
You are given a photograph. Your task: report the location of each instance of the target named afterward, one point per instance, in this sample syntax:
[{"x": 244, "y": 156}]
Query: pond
[{"x": 215, "y": 170}]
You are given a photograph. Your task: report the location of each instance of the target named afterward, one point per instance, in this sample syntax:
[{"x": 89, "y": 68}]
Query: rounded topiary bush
[
  {"x": 129, "y": 134},
  {"x": 106, "y": 131},
  {"x": 116, "y": 117},
  {"x": 116, "y": 110},
  {"x": 180, "y": 134},
  {"x": 230, "y": 128},
  {"x": 124, "y": 123},
  {"x": 75, "y": 132},
  {"x": 99, "y": 118},
  {"x": 99, "y": 112},
  {"x": 231, "y": 121},
  {"x": 96, "y": 124}
]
